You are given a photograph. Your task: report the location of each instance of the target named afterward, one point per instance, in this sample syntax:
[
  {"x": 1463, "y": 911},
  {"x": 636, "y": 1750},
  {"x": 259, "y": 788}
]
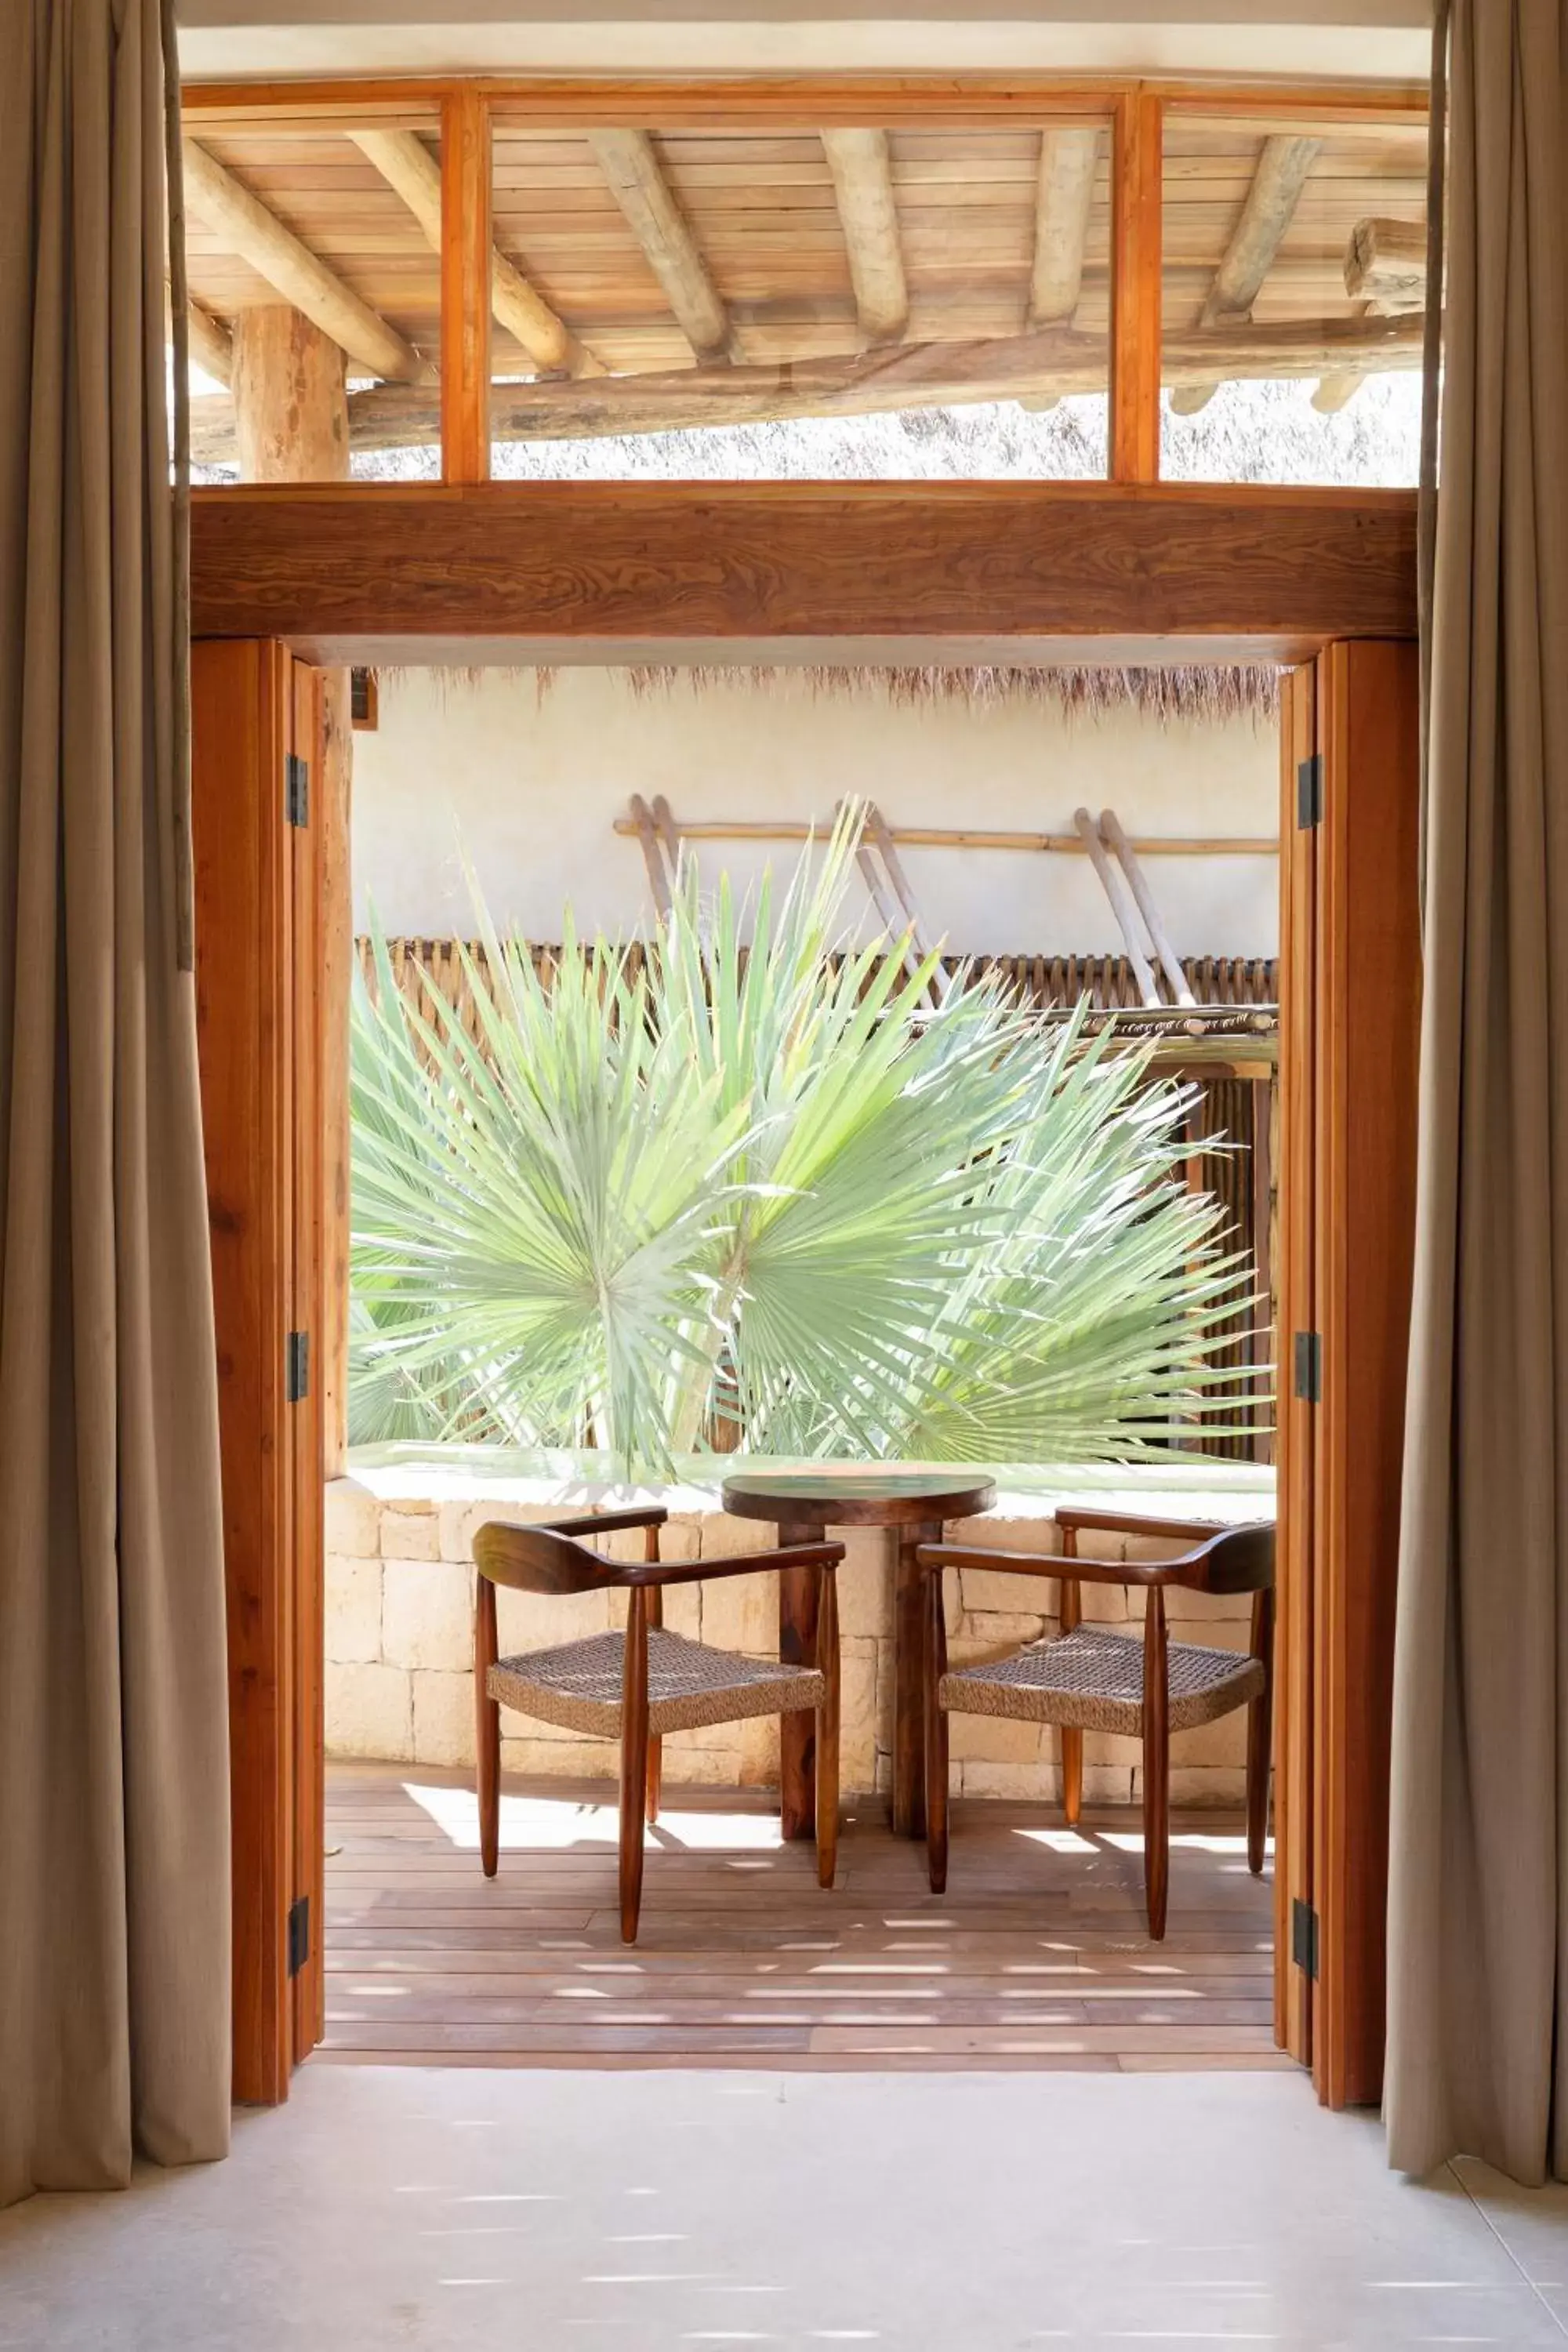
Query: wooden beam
[
  {"x": 406, "y": 165},
  {"x": 948, "y": 836},
  {"x": 637, "y": 181},
  {"x": 1126, "y": 855},
  {"x": 1385, "y": 263},
  {"x": 861, "y": 165},
  {"x": 1386, "y": 275},
  {"x": 382, "y": 572},
  {"x": 258, "y": 236},
  {"x": 208, "y": 344},
  {"x": 1063, "y": 196},
  {"x": 1122, "y": 906},
  {"x": 466, "y": 258},
  {"x": 1137, "y": 165},
  {"x": 1278, "y": 179},
  {"x": 1052, "y": 360},
  {"x": 721, "y": 101},
  {"x": 290, "y": 398}
]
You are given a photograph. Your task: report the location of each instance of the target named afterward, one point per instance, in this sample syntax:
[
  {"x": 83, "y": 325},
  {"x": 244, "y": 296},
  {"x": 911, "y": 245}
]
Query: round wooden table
[{"x": 802, "y": 1504}]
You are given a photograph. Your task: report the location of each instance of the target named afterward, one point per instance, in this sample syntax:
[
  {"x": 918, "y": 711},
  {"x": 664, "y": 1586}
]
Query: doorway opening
[{"x": 493, "y": 802}]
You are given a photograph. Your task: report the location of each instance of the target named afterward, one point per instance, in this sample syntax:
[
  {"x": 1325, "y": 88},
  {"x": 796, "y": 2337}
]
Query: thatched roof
[{"x": 1212, "y": 692}]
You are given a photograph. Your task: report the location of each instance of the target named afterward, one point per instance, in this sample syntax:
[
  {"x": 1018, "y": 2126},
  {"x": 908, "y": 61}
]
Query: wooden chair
[
  {"x": 1092, "y": 1678},
  {"x": 637, "y": 1687}
]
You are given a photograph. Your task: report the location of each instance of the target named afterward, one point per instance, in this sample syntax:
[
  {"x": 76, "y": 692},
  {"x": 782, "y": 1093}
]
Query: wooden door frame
[{"x": 953, "y": 572}]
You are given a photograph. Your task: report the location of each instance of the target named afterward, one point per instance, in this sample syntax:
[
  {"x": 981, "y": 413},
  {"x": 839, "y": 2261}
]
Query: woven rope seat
[
  {"x": 578, "y": 1686},
  {"x": 1092, "y": 1680}
]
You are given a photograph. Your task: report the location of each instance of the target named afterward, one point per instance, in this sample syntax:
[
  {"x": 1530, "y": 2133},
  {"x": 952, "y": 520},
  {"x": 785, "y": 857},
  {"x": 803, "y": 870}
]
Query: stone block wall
[{"x": 399, "y": 1648}]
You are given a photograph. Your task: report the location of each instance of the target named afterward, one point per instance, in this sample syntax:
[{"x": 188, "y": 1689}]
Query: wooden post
[
  {"x": 1135, "y": 323},
  {"x": 292, "y": 425},
  {"x": 467, "y": 264}
]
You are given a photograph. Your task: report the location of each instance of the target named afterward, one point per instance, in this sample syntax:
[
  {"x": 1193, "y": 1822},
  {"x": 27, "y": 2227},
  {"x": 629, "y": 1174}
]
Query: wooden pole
[
  {"x": 292, "y": 425},
  {"x": 466, "y": 256},
  {"x": 1135, "y": 291}
]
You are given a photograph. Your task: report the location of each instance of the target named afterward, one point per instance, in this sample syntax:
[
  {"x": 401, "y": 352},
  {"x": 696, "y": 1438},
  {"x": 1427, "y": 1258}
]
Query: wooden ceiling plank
[
  {"x": 1277, "y": 181},
  {"x": 259, "y": 237},
  {"x": 637, "y": 181},
  {"x": 409, "y": 168},
  {"x": 861, "y": 164}
]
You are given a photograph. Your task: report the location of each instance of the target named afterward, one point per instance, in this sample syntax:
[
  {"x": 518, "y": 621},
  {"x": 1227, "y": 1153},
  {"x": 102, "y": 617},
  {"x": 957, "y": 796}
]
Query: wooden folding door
[
  {"x": 256, "y": 715},
  {"x": 1349, "y": 1022}
]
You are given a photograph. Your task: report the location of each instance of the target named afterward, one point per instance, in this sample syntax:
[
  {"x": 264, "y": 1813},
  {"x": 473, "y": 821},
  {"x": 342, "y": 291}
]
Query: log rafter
[
  {"x": 412, "y": 171},
  {"x": 1064, "y": 197},
  {"x": 905, "y": 376},
  {"x": 1278, "y": 179},
  {"x": 259, "y": 237},
  {"x": 861, "y": 164},
  {"x": 636, "y": 179},
  {"x": 1385, "y": 274}
]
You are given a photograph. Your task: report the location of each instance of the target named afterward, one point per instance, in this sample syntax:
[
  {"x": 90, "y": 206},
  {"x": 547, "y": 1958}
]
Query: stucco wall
[{"x": 531, "y": 785}]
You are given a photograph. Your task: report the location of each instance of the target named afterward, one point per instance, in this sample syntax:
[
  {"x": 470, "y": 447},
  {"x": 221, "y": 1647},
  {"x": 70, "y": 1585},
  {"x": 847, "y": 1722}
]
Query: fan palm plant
[{"x": 773, "y": 1183}]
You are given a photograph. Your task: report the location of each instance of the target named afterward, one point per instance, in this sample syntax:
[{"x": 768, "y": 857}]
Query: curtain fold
[
  {"x": 114, "y": 1957},
  {"x": 1477, "y": 2046}
]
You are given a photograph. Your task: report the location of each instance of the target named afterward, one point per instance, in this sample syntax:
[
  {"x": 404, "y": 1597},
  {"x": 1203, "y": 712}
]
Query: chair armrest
[
  {"x": 746, "y": 1563},
  {"x": 932, "y": 1556},
  {"x": 1133, "y": 1523},
  {"x": 602, "y": 1523}
]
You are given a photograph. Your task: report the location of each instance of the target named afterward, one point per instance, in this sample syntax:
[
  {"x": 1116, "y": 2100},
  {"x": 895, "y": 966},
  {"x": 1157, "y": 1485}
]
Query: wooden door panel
[
  {"x": 1368, "y": 1027},
  {"x": 252, "y": 707},
  {"x": 307, "y": 1581},
  {"x": 1293, "y": 1823}
]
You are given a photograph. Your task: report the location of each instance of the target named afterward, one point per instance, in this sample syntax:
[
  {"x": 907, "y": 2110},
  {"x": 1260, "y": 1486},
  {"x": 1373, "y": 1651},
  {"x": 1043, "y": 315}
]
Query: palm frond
[{"x": 770, "y": 1179}]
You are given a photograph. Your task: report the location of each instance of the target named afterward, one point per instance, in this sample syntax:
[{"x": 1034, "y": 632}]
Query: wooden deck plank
[{"x": 1037, "y": 1958}]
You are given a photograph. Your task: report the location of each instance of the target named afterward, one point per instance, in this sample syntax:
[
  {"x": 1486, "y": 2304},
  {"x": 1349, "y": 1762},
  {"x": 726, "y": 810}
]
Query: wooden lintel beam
[
  {"x": 259, "y": 237},
  {"x": 906, "y": 376},
  {"x": 408, "y": 167},
  {"x": 412, "y": 572},
  {"x": 1278, "y": 179},
  {"x": 861, "y": 165},
  {"x": 636, "y": 179}
]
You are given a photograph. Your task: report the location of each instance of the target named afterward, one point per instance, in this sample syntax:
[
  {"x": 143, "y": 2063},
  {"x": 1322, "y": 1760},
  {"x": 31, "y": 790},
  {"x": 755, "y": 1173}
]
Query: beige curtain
[
  {"x": 114, "y": 1964},
  {"x": 1477, "y": 2051}
]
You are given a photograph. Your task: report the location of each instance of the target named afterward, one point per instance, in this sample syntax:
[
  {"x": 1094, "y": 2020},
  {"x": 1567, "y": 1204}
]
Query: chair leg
[
  {"x": 655, "y": 1776},
  {"x": 1156, "y": 1766},
  {"x": 487, "y": 1727},
  {"x": 827, "y": 1717},
  {"x": 1070, "y": 1612},
  {"x": 1072, "y": 1776},
  {"x": 1260, "y": 1733},
  {"x": 936, "y": 1741},
  {"x": 633, "y": 1762}
]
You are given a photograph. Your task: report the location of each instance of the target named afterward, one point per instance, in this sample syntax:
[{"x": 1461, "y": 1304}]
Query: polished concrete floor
[{"x": 410, "y": 2211}]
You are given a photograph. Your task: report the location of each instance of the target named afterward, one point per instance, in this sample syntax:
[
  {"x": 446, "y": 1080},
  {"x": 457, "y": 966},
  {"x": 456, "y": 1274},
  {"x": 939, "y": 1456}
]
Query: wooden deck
[{"x": 1037, "y": 1957}]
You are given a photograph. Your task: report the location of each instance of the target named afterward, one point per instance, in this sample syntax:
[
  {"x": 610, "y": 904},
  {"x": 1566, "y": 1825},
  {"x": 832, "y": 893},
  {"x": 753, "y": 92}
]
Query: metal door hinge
[
  {"x": 297, "y": 788},
  {"x": 298, "y": 1934},
  {"x": 1309, "y": 791},
  {"x": 296, "y": 1368},
  {"x": 1309, "y": 1381},
  {"x": 1304, "y": 1937}
]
